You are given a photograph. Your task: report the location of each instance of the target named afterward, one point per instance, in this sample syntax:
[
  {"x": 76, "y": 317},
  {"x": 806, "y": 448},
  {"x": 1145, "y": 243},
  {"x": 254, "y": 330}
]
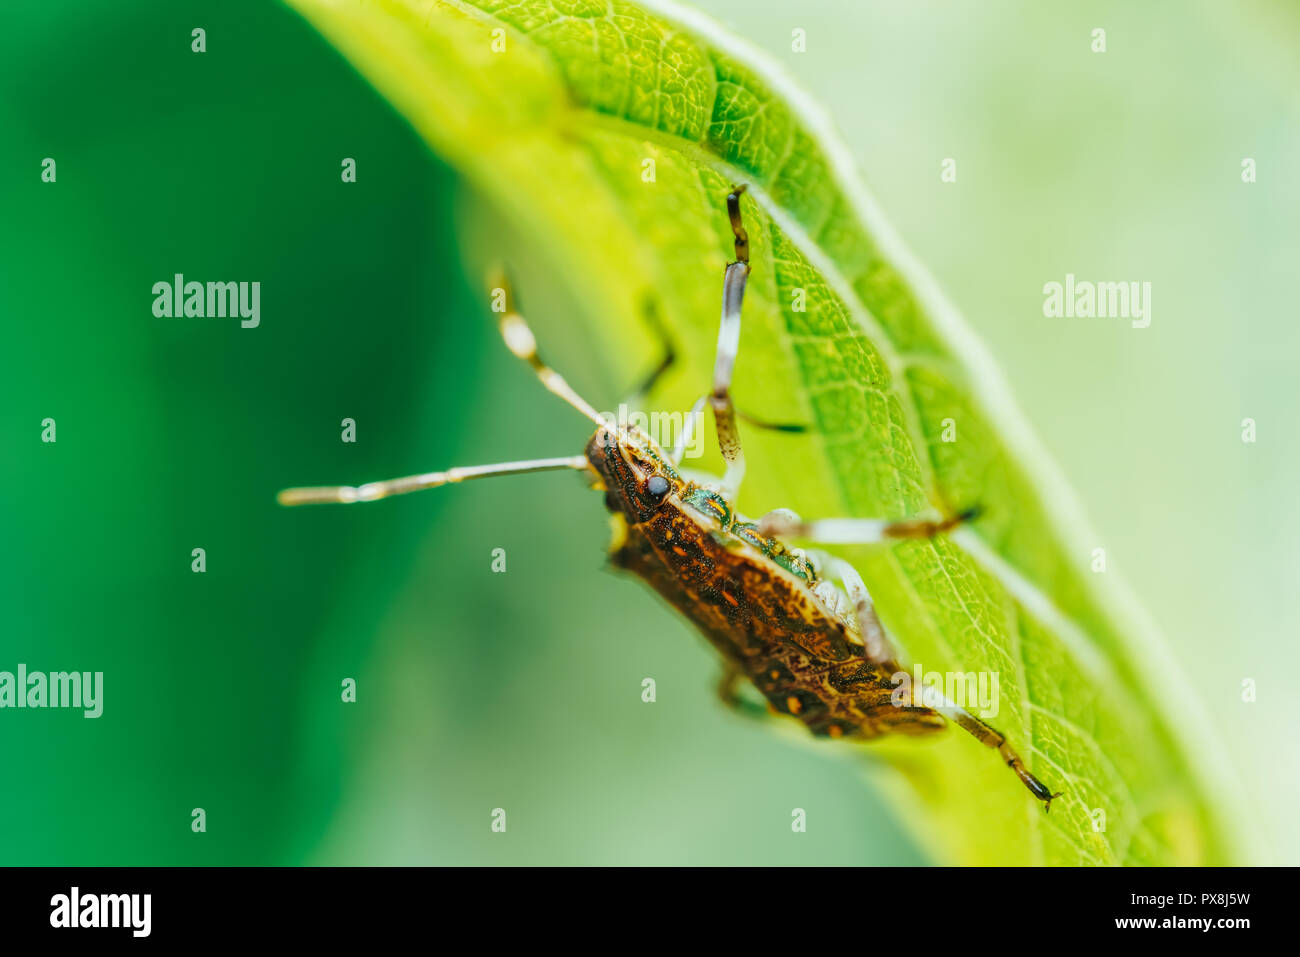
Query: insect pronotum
[{"x": 816, "y": 650}]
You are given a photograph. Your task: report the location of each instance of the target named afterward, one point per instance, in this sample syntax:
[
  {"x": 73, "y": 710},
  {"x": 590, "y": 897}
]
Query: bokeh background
[{"x": 522, "y": 690}]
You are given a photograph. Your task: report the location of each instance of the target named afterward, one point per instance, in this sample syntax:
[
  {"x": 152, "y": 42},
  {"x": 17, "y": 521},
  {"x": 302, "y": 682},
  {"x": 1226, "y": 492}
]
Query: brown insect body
[{"x": 787, "y": 634}]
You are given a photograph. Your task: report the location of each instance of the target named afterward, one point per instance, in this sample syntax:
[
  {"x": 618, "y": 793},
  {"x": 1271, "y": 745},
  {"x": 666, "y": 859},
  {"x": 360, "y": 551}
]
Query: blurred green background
[{"x": 479, "y": 690}]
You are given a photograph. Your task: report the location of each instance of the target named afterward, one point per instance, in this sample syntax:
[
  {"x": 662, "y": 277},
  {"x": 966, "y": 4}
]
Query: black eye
[{"x": 657, "y": 487}]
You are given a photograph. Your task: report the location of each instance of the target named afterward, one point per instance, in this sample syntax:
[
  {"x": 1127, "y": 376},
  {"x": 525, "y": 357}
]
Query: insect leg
[
  {"x": 347, "y": 494},
  {"x": 687, "y": 435},
  {"x": 933, "y": 698},
  {"x": 857, "y": 531},
  {"x": 688, "y": 431},
  {"x": 878, "y": 647},
  {"x": 733, "y": 295},
  {"x": 730, "y": 695}
]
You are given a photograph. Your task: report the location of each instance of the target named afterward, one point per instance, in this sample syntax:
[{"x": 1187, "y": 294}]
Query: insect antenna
[
  {"x": 371, "y": 491},
  {"x": 520, "y": 340}
]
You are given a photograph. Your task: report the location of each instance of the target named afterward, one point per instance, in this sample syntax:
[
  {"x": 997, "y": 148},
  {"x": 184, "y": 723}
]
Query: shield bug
[{"x": 799, "y": 624}]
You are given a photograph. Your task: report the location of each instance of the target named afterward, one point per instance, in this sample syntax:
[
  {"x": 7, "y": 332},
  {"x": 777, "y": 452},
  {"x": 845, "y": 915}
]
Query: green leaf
[{"x": 556, "y": 129}]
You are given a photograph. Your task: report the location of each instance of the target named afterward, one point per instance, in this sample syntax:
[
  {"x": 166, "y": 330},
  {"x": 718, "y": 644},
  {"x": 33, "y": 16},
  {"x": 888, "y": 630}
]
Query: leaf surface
[{"x": 558, "y": 111}]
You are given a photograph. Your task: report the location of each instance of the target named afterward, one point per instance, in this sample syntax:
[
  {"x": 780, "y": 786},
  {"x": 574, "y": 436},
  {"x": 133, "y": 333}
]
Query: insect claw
[
  {"x": 1047, "y": 805},
  {"x": 970, "y": 514}
]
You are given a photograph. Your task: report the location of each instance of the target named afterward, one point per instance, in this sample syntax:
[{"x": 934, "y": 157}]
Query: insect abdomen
[{"x": 768, "y": 625}]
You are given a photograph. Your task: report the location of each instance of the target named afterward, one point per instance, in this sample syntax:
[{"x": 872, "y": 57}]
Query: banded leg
[
  {"x": 692, "y": 417},
  {"x": 989, "y": 736},
  {"x": 687, "y": 435},
  {"x": 669, "y": 359},
  {"x": 733, "y": 296},
  {"x": 857, "y": 531},
  {"x": 729, "y": 694},
  {"x": 872, "y": 630}
]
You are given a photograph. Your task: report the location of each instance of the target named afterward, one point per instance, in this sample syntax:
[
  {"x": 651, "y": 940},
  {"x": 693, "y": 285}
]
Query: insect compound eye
[{"x": 657, "y": 487}]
